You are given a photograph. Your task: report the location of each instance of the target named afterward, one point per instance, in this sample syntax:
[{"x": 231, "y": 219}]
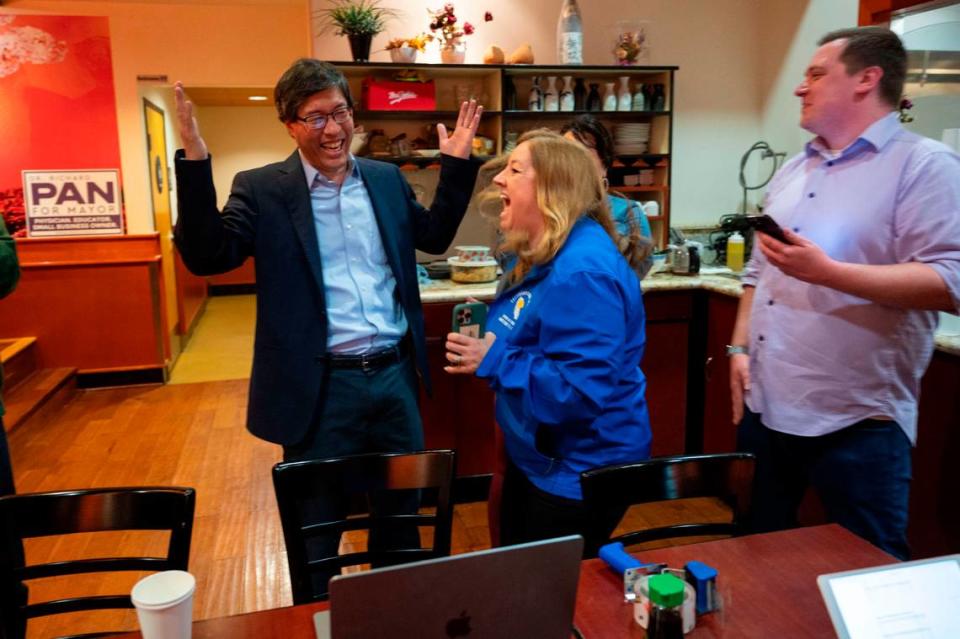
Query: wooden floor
[{"x": 187, "y": 435}]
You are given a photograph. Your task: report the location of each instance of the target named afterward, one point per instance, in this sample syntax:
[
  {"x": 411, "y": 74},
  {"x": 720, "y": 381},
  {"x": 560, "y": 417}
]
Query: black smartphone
[
  {"x": 766, "y": 224},
  {"x": 469, "y": 318}
]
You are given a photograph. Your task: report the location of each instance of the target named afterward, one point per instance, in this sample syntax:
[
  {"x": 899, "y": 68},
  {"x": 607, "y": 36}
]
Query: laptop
[
  {"x": 528, "y": 590},
  {"x": 908, "y": 600}
]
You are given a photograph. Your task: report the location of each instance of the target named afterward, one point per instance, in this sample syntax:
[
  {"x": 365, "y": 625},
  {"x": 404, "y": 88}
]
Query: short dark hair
[
  {"x": 874, "y": 47},
  {"x": 305, "y": 77},
  {"x": 599, "y": 137}
]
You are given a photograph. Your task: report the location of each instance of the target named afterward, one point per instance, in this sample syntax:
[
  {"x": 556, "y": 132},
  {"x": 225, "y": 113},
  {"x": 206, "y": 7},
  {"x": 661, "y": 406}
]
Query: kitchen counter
[{"x": 450, "y": 291}]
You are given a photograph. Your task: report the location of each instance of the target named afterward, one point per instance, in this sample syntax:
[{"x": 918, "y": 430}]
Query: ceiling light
[{"x": 257, "y": 98}]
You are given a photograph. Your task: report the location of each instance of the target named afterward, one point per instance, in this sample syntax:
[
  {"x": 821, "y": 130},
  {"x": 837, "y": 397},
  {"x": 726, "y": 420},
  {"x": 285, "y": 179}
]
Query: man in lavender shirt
[{"x": 835, "y": 328}]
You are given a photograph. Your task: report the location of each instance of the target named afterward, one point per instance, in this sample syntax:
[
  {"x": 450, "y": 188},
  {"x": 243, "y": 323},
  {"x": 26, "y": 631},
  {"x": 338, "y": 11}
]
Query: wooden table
[{"x": 768, "y": 582}]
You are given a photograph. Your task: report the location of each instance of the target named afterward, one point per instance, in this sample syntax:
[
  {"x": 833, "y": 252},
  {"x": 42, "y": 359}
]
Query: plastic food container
[
  {"x": 473, "y": 253},
  {"x": 472, "y": 271}
]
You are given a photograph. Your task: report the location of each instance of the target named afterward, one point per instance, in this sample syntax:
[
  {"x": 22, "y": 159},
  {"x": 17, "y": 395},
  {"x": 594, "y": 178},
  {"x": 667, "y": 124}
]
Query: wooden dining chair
[
  {"x": 366, "y": 477},
  {"x": 32, "y": 515},
  {"x": 613, "y": 489}
]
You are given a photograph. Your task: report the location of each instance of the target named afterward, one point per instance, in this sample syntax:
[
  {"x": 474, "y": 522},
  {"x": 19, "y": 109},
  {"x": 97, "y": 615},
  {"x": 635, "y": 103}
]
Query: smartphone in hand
[
  {"x": 766, "y": 224},
  {"x": 470, "y": 318}
]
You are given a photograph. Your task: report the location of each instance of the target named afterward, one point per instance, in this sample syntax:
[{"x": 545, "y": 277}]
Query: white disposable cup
[{"x": 164, "y": 603}]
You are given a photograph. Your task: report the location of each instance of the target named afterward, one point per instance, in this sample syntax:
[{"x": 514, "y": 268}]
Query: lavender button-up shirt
[{"x": 822, "y": 360}]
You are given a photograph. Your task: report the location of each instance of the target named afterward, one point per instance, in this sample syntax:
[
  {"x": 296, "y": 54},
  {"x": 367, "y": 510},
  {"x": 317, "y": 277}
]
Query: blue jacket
[{"x": 565, "y": 366}]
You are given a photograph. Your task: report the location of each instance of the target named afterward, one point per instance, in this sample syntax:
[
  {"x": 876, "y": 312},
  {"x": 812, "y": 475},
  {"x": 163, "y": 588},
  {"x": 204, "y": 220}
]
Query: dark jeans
[
  {"x": 14, "y": 628},
  {"x": 363, "y": 412},
  {"x": 861, "y": 473},
  {"x": 530, "y": 514}
]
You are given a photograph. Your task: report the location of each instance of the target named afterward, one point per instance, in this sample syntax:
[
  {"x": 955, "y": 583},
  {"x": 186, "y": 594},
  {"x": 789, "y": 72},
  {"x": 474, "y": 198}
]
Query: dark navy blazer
[{"x": 268, "y": 216}]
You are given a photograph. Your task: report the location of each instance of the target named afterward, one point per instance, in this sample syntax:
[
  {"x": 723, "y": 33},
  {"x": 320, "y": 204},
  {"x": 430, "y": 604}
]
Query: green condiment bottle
[{"x": 666, "y": 599}]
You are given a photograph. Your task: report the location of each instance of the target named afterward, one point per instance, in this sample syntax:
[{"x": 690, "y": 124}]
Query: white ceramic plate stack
[{"x": 631, "y": 139}]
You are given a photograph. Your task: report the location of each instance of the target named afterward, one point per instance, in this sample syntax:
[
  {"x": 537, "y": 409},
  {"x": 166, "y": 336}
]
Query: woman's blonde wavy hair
[{"x": 568, "y": 187}]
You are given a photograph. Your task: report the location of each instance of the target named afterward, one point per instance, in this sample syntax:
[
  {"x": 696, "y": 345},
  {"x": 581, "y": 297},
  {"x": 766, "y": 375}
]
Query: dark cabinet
[
  {"x": 459, "y": 413},
  {"x": 934, "y": 527},
  {"x": 665, "y": 365},
  {"x": 719, "y": 432}
]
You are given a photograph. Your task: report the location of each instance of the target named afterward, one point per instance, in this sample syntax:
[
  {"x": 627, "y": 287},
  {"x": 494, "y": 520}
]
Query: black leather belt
[{"x": 371, "y": 361}]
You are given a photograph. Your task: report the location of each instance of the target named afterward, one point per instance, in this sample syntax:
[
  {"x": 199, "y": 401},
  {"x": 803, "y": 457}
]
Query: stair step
[
  {"x": 18, "y": 357},
  {"x": 41, "y": 391}
]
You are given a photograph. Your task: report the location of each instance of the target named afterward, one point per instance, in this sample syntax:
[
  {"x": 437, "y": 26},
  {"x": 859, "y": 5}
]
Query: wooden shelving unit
[{"x": 489, "y": 83}]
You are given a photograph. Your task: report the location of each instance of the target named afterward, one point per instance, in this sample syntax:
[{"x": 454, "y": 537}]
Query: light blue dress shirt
[
  {"x": 363, "y": 312},
  {"x": 822, "y": 360}
]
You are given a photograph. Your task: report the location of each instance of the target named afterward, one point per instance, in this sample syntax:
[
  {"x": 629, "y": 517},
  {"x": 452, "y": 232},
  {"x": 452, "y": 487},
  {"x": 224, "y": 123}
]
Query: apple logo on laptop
[{"x": 459, "y": 626}]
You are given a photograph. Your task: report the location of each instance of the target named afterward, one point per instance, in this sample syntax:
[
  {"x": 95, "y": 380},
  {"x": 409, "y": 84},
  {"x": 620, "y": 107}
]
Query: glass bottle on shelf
[
  {"x": 624, "y": 99},
  {"x": 648, "y": 96},
  {"x": 579, "y": 95},
  {"x": 509, "y": 94},
  {"x": 551, "y": 101},
  {"x": 570, "y": 34},
  {"x": 566, "y": 94},
  {"x": 593, "y": 98},
  {"x": 639, "y": 104},
  {"x": 610, "y": 97},
  {"x": 659, "y": 98},
  {"x": 535, "y": 99}
]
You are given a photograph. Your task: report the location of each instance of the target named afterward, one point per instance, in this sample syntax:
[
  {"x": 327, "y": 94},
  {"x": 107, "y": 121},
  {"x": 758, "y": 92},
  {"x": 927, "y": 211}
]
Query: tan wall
[
  {"x": 241, "y": 138},
  {"x": 739, "y": 61},
  {"x": 203, "y": 44}
]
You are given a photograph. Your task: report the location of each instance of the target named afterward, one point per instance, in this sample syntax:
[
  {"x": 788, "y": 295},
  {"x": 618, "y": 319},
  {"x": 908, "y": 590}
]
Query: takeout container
[
  {"x": 472, "y": 253},
  {"x": 472, "y": 271}
]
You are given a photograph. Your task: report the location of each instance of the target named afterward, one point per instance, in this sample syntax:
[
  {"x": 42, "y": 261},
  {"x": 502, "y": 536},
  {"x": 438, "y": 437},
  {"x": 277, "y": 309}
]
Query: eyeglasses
[{"x": 318, "y": 121}]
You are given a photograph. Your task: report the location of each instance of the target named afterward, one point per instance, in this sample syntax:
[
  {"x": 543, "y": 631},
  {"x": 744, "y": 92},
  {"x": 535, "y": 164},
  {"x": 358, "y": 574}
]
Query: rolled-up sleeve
[{"x": 927, "y": 217}]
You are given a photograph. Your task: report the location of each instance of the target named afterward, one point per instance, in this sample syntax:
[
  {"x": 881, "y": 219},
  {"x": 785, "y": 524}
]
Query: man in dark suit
[{"x": 340, "y": 331}]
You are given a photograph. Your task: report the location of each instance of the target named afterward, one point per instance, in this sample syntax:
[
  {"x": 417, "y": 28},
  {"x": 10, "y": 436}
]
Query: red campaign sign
[{"x": 57, "y": 103}]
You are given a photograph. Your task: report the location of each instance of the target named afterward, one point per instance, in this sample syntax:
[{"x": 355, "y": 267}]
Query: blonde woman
[{"x": 564, "y": 340}]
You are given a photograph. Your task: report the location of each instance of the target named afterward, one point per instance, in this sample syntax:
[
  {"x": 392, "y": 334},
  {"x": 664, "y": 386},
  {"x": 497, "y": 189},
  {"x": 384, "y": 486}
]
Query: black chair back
[
  {"x": 84, "y": 511},
  {"x": 727, "y": 476},
  {"x": 360, "y": 475}
]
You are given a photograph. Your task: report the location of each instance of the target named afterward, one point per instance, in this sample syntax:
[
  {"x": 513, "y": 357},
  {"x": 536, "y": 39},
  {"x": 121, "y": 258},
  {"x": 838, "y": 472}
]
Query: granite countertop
[{"x": 449, "y": 291}]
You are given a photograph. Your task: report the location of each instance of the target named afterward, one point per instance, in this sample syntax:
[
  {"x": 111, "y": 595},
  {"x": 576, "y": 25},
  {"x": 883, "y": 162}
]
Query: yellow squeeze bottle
[{"x": 735, "y": 252}]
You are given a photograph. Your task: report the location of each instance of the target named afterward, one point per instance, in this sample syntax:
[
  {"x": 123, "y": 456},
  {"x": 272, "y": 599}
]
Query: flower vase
[{"x": 453, "y": 52}]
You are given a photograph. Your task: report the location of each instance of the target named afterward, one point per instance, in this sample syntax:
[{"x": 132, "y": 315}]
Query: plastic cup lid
[{"x": 163, "y": 589}]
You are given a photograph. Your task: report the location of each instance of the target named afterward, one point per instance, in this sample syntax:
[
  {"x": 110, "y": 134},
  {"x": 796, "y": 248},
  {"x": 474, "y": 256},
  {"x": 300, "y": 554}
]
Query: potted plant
[{"x": 359, "y": 20}]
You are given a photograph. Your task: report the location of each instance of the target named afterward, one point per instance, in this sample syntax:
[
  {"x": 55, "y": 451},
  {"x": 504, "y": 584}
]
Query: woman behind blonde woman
[{"x": 564, "y": 340}]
